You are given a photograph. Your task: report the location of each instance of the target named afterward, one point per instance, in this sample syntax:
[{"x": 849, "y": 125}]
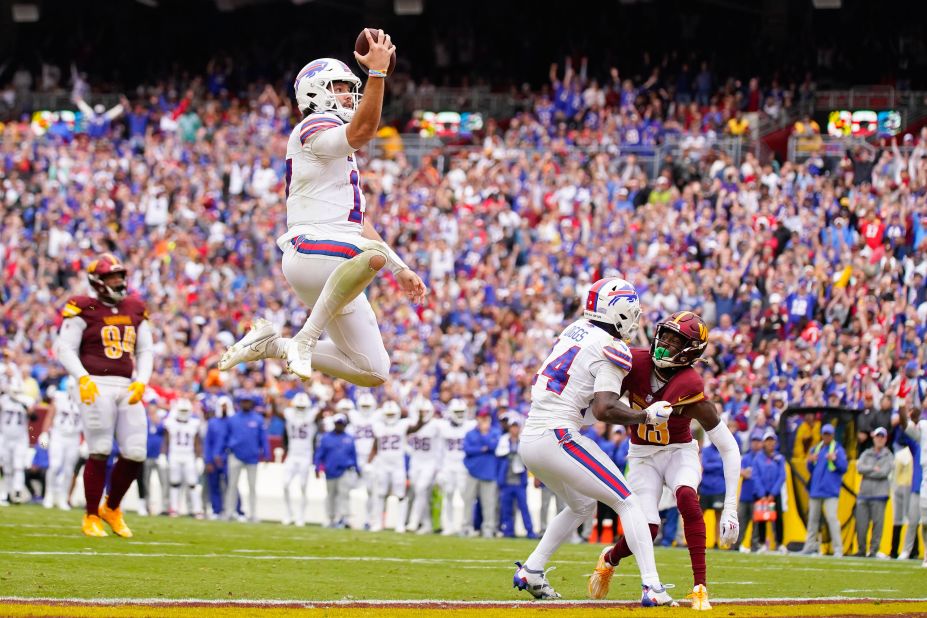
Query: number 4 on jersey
[{"x": 557, "y": 371}]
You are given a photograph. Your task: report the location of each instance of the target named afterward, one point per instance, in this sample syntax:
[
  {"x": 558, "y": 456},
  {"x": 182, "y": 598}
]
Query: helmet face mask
[
  {"x": 679, "y": 341},
  {"x": 457, "y": 410},
  {"x": 366, "y": 404},
  {"x": 183, "y": 410},
  {"x": 107, "y": 277},
  {"x": 390, "y": 412}
]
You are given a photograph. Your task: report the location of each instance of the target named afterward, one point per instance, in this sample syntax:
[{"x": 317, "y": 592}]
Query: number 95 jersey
[
  {"x": 107, "y": 345},
  {"x": 585, "y": 360}
]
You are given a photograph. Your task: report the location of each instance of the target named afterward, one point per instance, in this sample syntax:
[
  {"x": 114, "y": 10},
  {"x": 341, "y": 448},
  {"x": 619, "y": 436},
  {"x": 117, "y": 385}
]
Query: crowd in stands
[{"x": 813, "y": 281}]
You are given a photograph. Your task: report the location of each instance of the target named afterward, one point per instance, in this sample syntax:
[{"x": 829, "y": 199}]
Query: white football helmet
[
  {"x": 314, "y": 90},
  {"x": 457, "y": 410},
  {"x": 390, "y": 412},
  {"x": 614, "y": 301},
  {"x": 422, "y": 407},
  {"x": 183, "y": 409},
  {"x": 345, "y": 406},
  {"x": 367, "y": 404},
  {"x": 300, "y": 401}
]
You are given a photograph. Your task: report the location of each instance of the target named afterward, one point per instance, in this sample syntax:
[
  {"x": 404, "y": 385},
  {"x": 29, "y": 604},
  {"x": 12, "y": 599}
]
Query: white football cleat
[
  {"x": 699, "y": 596},
  {"x": 535, "y": 582},
  {"x": 653, "y": 596},
  {"x": 251, "y": 347},
  {"x": 47, "y": 502},
  {"x": 299, "y": 358},
  {"x": 285, "y": 521}
]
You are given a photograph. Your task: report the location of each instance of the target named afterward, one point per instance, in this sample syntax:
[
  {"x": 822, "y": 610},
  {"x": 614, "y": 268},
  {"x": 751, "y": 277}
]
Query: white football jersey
[
  {"x": 182, "y": 436},
  {"x": 425, "y": 444},
  {"x": 67, "y": 415},
  {"x": 452, "y": 437},
  {"x": 14, "y": 420},
  {"x": 300, "y": 433},
  {"x": 361, "y": 428},
  {"x": 324, "y": 196},
  {"x": 585, "y": 360},
  {"x": 391, "y": 442}
]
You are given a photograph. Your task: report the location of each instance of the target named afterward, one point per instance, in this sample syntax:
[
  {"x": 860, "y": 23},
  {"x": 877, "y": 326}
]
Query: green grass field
[{"x": 43, "y": 554}]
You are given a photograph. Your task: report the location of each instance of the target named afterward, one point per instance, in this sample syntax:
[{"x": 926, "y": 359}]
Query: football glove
[
  {"x": 88, "y": 390},
  {"x": 730, "y": 528},
  {"x": 136, "y": 390},
  {"x": 43, "y": 439},
  {"x": 162, "y": 461},
  {"x": 658, "y": 412},
  {"x": 200, "y": 466}
]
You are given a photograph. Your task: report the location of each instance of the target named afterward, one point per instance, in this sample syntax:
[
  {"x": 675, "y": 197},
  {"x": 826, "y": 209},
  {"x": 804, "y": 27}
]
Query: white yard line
[{"x": 417, "y": 602}]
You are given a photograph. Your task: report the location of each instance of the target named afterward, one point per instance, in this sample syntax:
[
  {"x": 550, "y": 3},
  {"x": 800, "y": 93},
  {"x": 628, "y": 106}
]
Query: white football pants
[
  {"x": 422, "y": 480},
  {"x": 576, "y": 469},
  {"x": 453, "y": 482},
  {"x": 112, "y": 414},
  {"x": 354, "y": 350},
  {"x": 183, "y": 477},
  {"x": 296, "y": 468},
  {"x": 63, "y": 451},
  {"x": 14, "y": 459}
]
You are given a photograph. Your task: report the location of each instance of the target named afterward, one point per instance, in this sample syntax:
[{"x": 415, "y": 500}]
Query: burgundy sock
[
  {"x": 693, "y": 523},
  {"x": 124, "y": 472},
  {"x": 621, "y": 549},
  {"x": 94, "y": 480}
]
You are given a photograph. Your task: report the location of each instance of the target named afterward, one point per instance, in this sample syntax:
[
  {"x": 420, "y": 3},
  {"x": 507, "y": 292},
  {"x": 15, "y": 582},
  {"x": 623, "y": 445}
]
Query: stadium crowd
[{"x": 813, "y": 279}]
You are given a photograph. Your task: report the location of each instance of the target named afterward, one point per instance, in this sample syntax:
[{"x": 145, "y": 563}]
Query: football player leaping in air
[
  {"x": 578, "y": 384},
  {"x": 665, "y": 453},
  {"x": 331, "y": 251},
  {"x": 99, "y": 337}
]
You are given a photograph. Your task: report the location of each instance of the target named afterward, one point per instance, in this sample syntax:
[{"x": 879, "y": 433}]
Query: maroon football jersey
[
  {"x": 108, "y": 344},
  {"x": 684, "y": 387}
]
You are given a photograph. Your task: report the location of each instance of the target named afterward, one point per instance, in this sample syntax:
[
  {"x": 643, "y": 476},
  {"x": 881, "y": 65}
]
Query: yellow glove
[
  {"x": 136, "y": 390},
  {"x": 88, "y": 390}
]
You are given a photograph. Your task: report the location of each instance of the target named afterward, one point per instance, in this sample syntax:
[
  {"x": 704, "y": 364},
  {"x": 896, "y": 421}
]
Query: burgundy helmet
[
  {"x": 680, "y": 340},
  {"x": 97, "y": 270}
]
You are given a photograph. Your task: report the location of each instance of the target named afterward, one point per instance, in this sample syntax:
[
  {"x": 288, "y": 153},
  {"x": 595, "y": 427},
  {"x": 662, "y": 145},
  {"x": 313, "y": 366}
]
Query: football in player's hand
[{"x": 362, "y": 46}]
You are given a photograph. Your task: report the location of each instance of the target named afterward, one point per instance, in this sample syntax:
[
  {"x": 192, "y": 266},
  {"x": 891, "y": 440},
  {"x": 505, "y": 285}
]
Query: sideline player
[
  {"x": 103, "y": 340},
  {"x": 388, "y": 461},
  {"x": 424, "y": 463},
  {"x": 453, "y": 475},
  {"x": 300, "y": 436},
  {"x": 15, "y": 415},
  {"x": 361, "y": 427},
  {"x": 62, "y": 428},
  {"x": 184, "y": 446},
  {"x": 582, "y": 377},
  {"x": 331, "y": 250},
  {"x": 665, "y": 454}
]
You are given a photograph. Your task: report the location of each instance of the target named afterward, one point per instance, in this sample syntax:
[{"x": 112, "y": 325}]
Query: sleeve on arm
[
  {"x": 67, "y": 345},
  {"x": 608, "y": 378},
  {"x": 144, "y": 353},
  {"x": 325, "y": 137},
  {"x": 722, "y": 438}
]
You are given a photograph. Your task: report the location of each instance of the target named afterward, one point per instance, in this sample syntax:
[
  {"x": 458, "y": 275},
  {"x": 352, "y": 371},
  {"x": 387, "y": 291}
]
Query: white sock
[
  {"x": 175, "y": 499},
  {"x": 196, "y": 497},
  {"x": 561, "y": 528}
]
